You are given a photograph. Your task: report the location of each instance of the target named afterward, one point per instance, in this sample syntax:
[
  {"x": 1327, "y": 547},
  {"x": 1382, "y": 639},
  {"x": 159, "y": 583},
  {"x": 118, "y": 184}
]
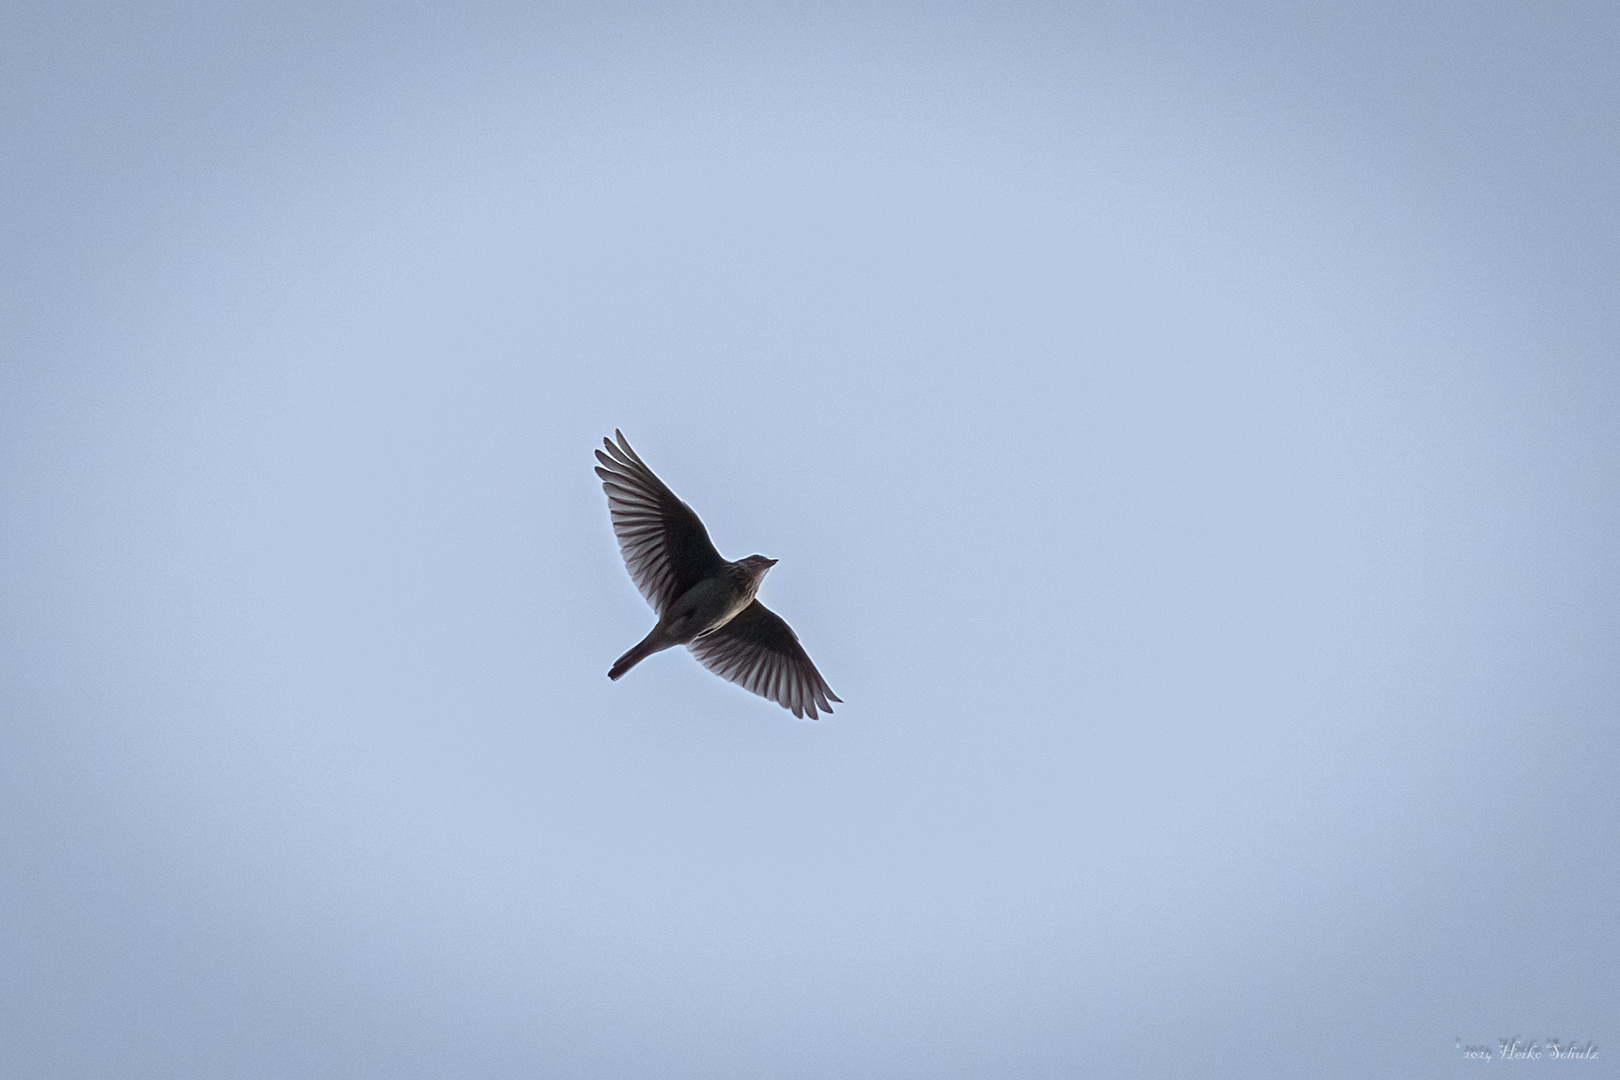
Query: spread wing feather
[
  {"x": 759, "y": 652},
  {"x": 665, "y": 546}
]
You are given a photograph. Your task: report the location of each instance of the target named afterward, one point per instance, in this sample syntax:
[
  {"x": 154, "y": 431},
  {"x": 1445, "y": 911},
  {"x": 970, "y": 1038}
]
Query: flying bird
[{"x": 703, "y": 601}]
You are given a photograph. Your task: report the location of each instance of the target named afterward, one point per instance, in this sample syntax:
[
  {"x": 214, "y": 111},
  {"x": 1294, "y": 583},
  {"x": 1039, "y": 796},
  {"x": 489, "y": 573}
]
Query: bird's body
[
  {"x": 709, "y": 604},
  {"x": 703, "y": 601}
]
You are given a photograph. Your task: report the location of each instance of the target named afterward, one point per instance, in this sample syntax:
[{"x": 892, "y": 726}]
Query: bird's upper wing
[
  {"x": 759, "y": 652},
  {"x": 665, "y": 546}
]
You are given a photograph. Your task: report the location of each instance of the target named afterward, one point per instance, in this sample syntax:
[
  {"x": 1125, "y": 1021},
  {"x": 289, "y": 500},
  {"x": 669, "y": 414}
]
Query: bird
[{"x": 703, "y": 601}]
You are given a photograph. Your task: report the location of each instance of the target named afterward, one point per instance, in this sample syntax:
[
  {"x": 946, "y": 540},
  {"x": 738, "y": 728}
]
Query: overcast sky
[{"x": 1191, "y": 438}]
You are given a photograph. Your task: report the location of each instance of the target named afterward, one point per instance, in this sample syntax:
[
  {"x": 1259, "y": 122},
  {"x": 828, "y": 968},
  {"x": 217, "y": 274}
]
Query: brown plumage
[{"x": 703, "y": 601}]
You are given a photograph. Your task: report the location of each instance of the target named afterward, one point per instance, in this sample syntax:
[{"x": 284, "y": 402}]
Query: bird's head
[{"x": 756, "y": 565}]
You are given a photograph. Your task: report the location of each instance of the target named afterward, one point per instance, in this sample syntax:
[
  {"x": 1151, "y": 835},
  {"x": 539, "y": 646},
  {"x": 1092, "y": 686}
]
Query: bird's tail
[{"x": 648, "y": 645}]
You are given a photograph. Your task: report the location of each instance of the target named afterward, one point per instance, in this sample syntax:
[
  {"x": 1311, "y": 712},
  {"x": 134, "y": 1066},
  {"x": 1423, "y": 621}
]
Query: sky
[{"x": 1188, "y": 435}]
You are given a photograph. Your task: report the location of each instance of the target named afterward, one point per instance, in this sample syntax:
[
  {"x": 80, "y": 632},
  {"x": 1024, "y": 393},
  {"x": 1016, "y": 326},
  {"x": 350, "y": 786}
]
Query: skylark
[{"x": 703, "y": 601}]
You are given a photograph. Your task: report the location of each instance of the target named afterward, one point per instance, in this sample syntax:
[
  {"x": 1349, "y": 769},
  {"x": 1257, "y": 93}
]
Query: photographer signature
[{"x": 1516, "y": 1049}]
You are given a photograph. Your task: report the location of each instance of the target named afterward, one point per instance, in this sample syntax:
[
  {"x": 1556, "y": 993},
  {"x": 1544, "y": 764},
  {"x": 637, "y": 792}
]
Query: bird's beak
[{"x": 772, "y": 562}]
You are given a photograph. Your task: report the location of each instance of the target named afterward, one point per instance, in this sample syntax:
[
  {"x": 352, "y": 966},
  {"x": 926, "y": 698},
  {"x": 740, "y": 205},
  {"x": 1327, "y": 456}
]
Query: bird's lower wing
[{"x": 759, "y": 652}]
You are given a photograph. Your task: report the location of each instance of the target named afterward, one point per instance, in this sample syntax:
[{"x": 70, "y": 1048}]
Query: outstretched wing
[
  {"x": 761, "y": 653},
  {"x": 665, "y": 547}
]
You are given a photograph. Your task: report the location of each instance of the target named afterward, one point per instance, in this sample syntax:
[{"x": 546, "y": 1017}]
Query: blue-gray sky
[{"x": 1189, "y": 435}]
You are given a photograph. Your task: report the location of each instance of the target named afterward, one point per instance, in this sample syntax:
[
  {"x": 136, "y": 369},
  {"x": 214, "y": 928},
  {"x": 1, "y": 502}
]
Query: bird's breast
[{"x": 710, "y": 603}]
